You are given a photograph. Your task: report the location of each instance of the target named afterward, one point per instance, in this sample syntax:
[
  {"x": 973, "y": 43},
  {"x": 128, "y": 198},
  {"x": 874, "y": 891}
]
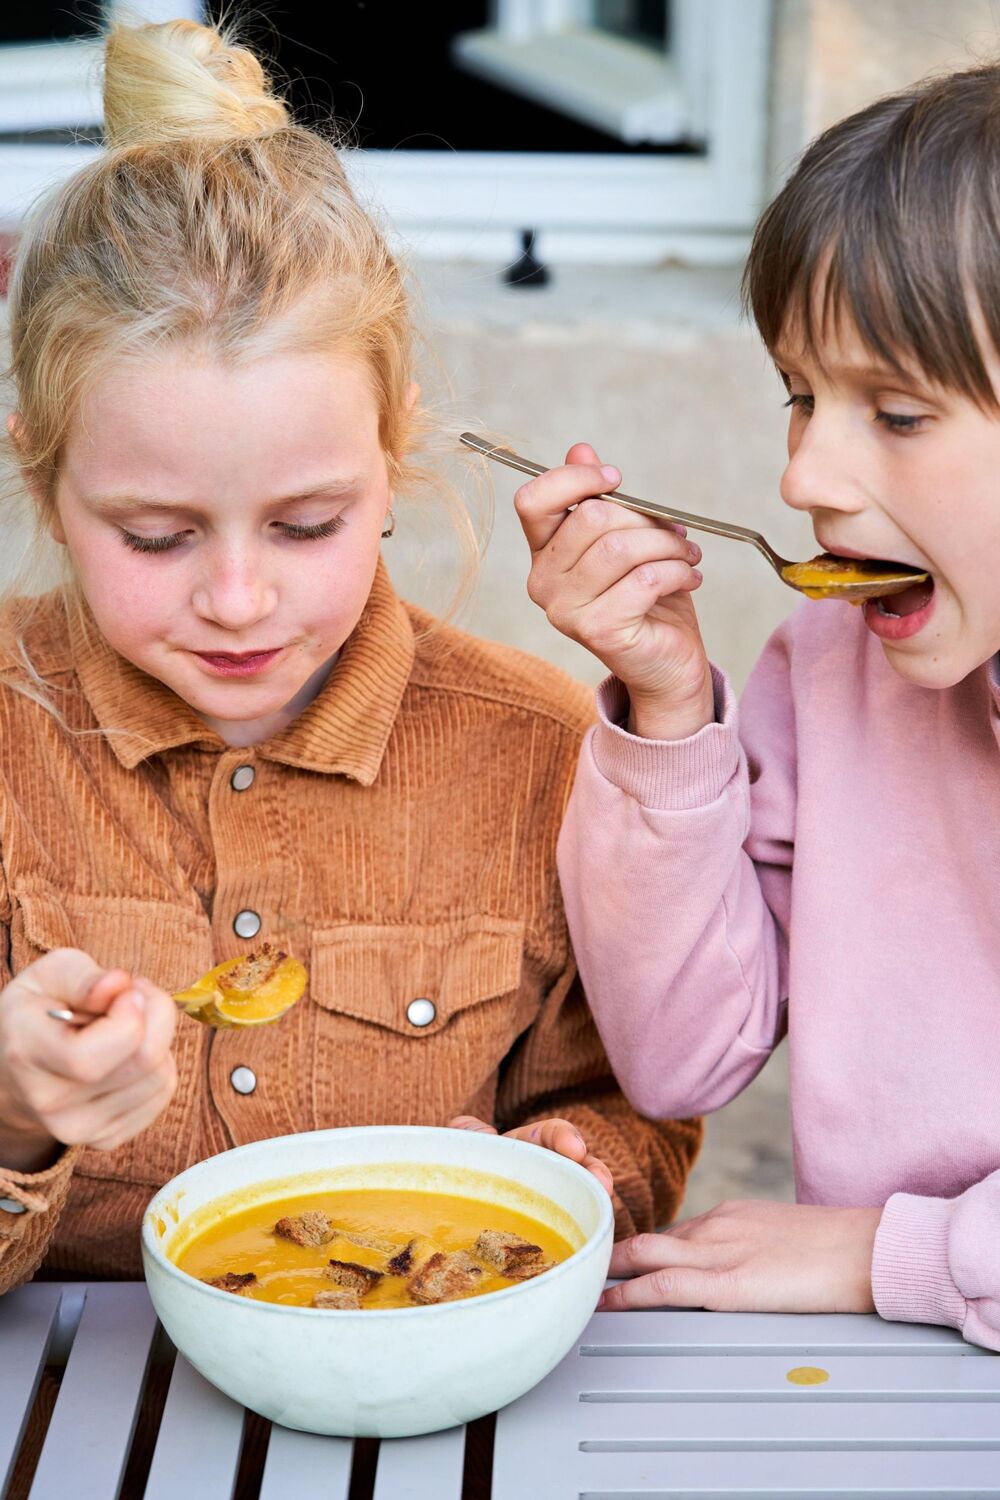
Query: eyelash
[
  {"x": 894, "y": 421},
  {"x": 288, "y": 528}
]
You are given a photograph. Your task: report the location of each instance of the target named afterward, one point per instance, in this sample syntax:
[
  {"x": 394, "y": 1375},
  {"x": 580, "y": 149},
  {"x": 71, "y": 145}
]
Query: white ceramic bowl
[{"x": 385, "y": 1372}]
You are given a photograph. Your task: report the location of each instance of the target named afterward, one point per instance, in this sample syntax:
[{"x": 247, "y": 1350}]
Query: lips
[{"x": 237, "y": 663}]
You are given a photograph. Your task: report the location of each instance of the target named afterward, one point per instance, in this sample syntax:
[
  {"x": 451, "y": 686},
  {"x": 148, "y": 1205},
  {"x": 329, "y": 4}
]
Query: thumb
[
  {"x": 471, "y": 1122},
  {"x": 71, "y": 977}
]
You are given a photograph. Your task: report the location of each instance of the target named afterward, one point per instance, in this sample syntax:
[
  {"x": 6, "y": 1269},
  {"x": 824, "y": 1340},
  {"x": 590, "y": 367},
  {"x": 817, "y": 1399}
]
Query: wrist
[
  {"x": 23, "y": 1151},
  {"x": 650, "y": 718}
]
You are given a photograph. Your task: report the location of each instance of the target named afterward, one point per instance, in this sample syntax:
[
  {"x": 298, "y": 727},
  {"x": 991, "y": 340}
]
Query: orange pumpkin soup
[{"x": 371, "y": 1248}]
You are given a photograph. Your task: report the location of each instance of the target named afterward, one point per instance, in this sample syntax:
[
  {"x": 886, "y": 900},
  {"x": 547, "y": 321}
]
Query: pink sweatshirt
[{"x": 870, "y": 809}]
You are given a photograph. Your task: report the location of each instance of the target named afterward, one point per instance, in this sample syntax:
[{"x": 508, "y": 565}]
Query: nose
[
  {"x": 821, "y": 473},
  {"x": 233, "y": 591}
]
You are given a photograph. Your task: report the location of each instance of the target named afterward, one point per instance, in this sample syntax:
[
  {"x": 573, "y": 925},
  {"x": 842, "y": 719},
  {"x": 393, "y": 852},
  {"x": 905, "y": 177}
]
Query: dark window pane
[
  {"x": 28, "y": 21},
  {"x": 385, "y": 71}
]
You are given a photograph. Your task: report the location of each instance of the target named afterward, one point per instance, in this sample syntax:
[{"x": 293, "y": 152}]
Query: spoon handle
[{"x": 630, "y": 502}]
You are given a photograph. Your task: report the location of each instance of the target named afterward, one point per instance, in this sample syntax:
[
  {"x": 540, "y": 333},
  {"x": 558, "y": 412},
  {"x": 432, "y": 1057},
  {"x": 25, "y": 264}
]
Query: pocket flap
[
  {"x": 375, "y": 973},
  {"x": 168, "y": 942}
]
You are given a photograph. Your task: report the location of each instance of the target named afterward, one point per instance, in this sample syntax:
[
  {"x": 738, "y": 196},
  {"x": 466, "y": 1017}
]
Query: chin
[{"x": 929, "y": 669}]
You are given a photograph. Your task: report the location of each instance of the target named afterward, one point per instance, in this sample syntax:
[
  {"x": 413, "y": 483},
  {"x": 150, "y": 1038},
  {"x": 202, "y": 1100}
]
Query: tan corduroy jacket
[{"x": 399, "y": 837}]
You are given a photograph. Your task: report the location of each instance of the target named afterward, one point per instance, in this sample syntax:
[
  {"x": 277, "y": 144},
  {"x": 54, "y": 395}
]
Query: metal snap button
[
  {"x": 421, "y": 1012},
  {"x": 243, "y": 1080},
  {"x": 11, "y": 1206},
  {"x": 246, "y": 924},
  {"x": 241, "y": 778}
]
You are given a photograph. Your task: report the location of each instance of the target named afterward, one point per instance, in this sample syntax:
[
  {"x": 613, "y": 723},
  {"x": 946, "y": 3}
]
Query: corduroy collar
[{"x": 343, "y": 731}]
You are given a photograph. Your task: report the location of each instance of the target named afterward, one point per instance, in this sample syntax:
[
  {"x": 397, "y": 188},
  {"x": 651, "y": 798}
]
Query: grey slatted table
[{"x": 659, "y": 1404}]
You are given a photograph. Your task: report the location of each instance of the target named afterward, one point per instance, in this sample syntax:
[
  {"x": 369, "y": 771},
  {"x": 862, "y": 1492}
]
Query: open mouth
[{"x": 898, "y": 616}]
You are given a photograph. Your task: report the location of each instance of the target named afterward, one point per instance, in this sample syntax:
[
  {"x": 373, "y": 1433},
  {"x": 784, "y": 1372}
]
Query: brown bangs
[{"x": 892, "y": 220}]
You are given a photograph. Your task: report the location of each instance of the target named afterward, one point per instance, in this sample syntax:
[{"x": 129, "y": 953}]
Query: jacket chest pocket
[
  {"x": 170, "y": 945},
  {"x": 439, "y": 1007}
]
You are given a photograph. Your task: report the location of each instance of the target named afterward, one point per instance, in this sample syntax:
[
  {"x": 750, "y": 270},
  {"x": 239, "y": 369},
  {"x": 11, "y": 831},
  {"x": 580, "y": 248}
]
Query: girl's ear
[
  {"x": 412, "y": 395},
  {"x": 15, "y": 429}
]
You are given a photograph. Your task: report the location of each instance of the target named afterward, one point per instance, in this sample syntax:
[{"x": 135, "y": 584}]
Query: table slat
[
  {"x": 680, "y": 1333},
  {"x": 198, "y": 1446},
  {"x": 690, "y": 1424},
  {"x": 300, "y": 1462},
  {"x": 765, "y": 1377},
  {"x": 86, "y": 1446},
  {"x": 27, "y": 1319},
  {"x": 421, "y": 1468},
  {"x": 766, "y": 1476}
]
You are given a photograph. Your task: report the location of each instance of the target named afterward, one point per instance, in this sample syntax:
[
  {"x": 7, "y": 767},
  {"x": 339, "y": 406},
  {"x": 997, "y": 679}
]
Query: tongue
[{"x": 910, "y": 600}]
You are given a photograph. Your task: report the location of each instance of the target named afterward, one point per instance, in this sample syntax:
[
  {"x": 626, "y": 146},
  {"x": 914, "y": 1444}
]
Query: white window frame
[
  {"x": 57, "y": 86},
  {"x": 637, "y": 209},
  {"x": 632, "y": 209}
]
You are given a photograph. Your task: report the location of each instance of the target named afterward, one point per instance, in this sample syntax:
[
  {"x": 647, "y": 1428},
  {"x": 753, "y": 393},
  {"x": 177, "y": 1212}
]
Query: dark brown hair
[{"x": 892, "y": 218}]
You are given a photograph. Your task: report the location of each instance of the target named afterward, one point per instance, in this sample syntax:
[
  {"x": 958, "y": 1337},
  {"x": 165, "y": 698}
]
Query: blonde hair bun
[{"x": 182, "y": 81}]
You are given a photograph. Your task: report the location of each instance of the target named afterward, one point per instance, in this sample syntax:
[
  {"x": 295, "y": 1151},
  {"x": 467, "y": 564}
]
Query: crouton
[
  {"x": 401, "y": 1263},
  {"x": 311, "y": 1228},
  {"x": 507, "y": 1253},
  {"x": 232, "y": 1281},
  {"x": 345, "y": 1301},
  {"x": 348, "y": 1273},
  {"x": 525, "y": 1273},
  {"x": 444, "y": 1277},
  {"x": 252, "y": 971},
  {"x": 364, "y": 1241}
]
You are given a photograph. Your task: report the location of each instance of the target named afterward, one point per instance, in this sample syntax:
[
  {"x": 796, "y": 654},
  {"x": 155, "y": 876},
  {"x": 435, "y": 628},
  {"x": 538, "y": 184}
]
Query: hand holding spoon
[
  {"x": 248, "y": 991},
  {"x": 823, "y": 577}
]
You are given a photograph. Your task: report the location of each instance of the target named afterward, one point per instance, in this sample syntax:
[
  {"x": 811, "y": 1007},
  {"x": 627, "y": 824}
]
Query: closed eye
[
  {"x": 309, "y": 533},
  {"x": 152, "y": 543}
]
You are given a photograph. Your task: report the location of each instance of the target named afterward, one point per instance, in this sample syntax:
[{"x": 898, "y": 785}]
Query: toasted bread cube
[
  {"x": 444, "y": 1277},
  {"x": 252, "y": 971},
  {"x": 311, "y": 1228},
  {"x": 401, "y": 1263},
  {"x": 357, "y": 1278},
  {"x": 525, "y": 1273},
  {"x": 233, "y": 1281},
  {"x": 364, "y": 1241},
  {"x": 505, "y": 1252},
  {"x": 345, "y": 1301}
]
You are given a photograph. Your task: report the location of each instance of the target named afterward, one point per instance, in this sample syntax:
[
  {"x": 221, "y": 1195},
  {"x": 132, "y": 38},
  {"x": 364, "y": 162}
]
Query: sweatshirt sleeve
[
  {"x": 559, "y": 1068},
  {"x": 675, "y": 859},
  {"x": 937, "y": 1260}
]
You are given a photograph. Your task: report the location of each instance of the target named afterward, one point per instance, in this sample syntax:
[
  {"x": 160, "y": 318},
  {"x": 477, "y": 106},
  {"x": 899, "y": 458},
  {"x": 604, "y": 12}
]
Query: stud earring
[{"x": 390, "y": 517}]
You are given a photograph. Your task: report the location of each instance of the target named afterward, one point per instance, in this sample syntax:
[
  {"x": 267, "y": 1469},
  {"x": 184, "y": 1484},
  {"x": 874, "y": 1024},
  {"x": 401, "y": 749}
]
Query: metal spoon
[{"x": 824, "y": 577}]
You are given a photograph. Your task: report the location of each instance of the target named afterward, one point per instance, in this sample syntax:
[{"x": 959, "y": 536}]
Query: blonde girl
[{"x": 227, "y": 729}]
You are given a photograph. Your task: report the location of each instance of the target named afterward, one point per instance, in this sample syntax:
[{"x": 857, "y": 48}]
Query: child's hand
[
  {"x": 620, "y": 584},
  {"x": 752, "y": 1257},
  {"x": 95, "y": 1085},
  {"x": 552, "y": 1135}
]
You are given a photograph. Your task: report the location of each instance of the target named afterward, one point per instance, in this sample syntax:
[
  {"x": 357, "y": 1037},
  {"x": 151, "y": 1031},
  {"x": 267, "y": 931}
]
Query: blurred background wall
[{"x": 641, "y": 218}]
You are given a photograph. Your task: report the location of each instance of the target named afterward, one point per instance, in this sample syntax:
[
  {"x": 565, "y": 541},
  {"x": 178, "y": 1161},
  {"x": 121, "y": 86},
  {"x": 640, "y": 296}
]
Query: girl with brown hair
[
  {"x": 823, "y": 863},
  {"x": 226, "y": 728}
]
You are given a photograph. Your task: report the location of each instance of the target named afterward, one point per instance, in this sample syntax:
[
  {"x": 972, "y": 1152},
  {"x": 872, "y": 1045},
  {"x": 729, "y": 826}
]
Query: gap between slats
[
  {"x": 790, "y": 1351},
  {"x": 788, "y": 1445},
  {"x": 809, "y": 1394}
]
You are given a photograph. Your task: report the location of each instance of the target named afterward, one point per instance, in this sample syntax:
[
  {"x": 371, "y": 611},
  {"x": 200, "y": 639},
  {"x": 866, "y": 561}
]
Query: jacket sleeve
[
  {"x": 558, "y": 1067},
  {"x": 30, "y": 1202},
  {"x": 937, "y": 1260},
  {"x": 675, "y": 859}
]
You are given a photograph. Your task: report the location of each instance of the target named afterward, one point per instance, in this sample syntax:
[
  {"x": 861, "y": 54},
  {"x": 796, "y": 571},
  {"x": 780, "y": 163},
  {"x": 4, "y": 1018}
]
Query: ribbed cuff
[
  {"x": 667, "y": 775},
  {"x": 911, "y": 1279}
]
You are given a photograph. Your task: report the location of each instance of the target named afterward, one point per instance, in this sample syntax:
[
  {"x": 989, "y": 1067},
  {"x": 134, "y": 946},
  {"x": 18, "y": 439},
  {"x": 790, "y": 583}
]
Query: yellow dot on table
[{"x": 807, "y": 1375}]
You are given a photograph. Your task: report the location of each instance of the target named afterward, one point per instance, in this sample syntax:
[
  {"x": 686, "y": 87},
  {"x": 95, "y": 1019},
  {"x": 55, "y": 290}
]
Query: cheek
[{"x": 126, "y": 601}]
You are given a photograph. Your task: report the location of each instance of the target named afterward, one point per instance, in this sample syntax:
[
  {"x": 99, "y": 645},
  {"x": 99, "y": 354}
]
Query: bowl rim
[{"x": 588, "y": 1249}]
